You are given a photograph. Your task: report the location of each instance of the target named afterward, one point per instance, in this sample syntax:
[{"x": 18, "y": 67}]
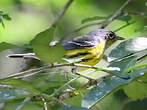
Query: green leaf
[
  {"x": 93, "y": 19},
  {"x": 76, "y": 100},
  {"x": 43, "y": 50},
  {"x": 5, "y": 46},
  {"x": 135, "y": 105},
  {"x": 48, "y": 53},
  {"x": 3, "y": 24},
  {"x": 145, "y": 3},
  {"x": 1, "y": 19},
  {"x": 145, "y": 28},
  {"x": 47, "y": 83},
  {"x": 128, "y": 47},
  {"x": 6, "y": 95},
  {"x": 43, "y": 38},
  {"x": 125, "y": 18},
  {"x": 73, "y": 108},
  {"x": 106, "y": 87},
  {"x": 115, "y": 100},
  {"x": 4, "y": 16},
  {"x": 21, "y": 84},
  {"x": 23, "y": 104},
  {"x": 139, "y": 86},
  {"x": 7, "y": 17},
  {"x": 119, "y": 67}
]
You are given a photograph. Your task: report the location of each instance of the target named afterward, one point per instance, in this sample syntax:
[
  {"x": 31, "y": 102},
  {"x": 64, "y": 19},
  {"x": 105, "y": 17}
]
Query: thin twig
[
  {"x": 103, "y": 23},
  {"x": 62, "y": 13},
  {"x": 30, "y": 71},
  {"x": 86, "y": 77},
  {"x": 23, "y": 103},
  {"x": 115, "y": 15},
  {"x": 70, "y": 94},
  {"x": 85, "y": 26},
  {"x": 41, "y": 69},
  {"x": 66, "y": 84}
]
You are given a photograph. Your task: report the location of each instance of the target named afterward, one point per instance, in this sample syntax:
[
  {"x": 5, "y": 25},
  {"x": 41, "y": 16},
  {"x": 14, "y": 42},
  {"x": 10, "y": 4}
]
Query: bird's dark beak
[{"x": 120, "y": 38}]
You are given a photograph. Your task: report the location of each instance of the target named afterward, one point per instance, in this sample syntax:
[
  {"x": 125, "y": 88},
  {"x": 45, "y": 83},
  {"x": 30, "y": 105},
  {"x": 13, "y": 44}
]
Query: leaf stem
[
  {"x": 66, "y": 84},
  {"x": 63, "y": 11},
  {"x": 85, "y": 26}
]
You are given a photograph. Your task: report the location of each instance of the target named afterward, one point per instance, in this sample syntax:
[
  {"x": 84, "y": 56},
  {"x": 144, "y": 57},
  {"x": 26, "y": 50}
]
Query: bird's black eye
[{"x": 111, "y": 35}]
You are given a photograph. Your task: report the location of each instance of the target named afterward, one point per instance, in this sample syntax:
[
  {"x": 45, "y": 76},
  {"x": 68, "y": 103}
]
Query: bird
[{"x": 89, "y": 47}]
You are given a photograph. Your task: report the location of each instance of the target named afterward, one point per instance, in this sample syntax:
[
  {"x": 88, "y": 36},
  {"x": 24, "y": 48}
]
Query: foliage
[
  {"x": 42, "y": 49},
  {"x": 4, "y": 46},
  {"x": 4, "y": 16},
  {"x": 46, "y": 83},
  {"x": 54, "y": 87}
]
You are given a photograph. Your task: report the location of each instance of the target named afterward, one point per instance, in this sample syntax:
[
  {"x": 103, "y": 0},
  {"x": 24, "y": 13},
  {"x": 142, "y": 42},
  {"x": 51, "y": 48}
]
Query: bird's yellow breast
[{"x": 92, "y": 55}]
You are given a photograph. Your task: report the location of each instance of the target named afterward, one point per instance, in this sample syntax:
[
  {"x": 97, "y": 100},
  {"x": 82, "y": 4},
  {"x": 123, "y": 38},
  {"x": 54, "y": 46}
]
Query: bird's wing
[{"x": 80, "y": 42}]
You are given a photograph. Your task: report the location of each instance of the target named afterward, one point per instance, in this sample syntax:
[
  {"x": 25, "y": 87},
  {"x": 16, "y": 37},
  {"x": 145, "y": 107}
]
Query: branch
[
  {"x": 30, "y": 71},
  {"x": 104, "y": 23},
  {"x": 69, "y": 94},
  {"x": 60, "y": 88},
  {"x": 23, "y": 103},
  {"x": 115, "y": 15},
  {"x": 61, "y": 13},
  {"x": 85, "y": 26},
  {"x": 41, "y": 69}
]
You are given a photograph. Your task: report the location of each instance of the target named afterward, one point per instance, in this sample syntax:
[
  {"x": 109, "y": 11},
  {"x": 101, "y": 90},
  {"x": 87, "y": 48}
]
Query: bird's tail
[{"x": 26, "y": 55}]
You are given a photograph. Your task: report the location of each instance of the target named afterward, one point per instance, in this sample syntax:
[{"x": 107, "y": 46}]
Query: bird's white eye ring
[{"x": 111, "y": 35}]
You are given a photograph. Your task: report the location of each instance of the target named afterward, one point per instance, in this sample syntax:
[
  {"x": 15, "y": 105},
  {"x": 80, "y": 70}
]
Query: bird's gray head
[{"x": 105, "y": 34}]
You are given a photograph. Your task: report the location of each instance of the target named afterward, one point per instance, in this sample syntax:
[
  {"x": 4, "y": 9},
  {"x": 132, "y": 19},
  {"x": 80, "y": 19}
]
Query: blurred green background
[{"x": 30, "y": 17}]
